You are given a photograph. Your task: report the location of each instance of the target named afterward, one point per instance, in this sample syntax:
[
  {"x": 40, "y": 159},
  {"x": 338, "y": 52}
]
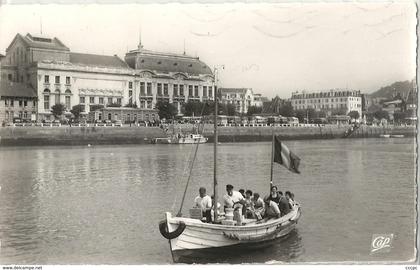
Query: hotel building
[{"x": 334, "y": 101}]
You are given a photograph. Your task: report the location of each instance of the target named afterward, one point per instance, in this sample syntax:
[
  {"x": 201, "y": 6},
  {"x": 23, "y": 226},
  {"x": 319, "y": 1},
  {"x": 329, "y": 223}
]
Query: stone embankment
[{"x": 14, "y": 136}]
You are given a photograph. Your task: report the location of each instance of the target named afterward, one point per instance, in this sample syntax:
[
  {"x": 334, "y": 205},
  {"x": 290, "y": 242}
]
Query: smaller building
[
  {"x": 17, "y": 100},
  {"x": 241, "y": 98},
  {"x": 124, "y": 114}
]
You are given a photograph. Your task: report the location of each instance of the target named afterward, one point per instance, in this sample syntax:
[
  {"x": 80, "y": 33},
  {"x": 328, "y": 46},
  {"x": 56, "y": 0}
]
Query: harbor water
[{"x": 102, "y": 204}]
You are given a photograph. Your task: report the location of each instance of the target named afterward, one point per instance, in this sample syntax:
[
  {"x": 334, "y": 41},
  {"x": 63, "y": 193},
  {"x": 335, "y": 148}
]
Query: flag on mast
[{"x": 285, "y": 157}]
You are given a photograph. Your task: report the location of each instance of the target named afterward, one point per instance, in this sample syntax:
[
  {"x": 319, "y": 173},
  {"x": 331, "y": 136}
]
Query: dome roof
[{"x": 166, "y": 63}]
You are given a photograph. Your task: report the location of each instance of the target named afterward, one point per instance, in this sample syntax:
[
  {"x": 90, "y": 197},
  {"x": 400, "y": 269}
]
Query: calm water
[{"x": 102, "y": 204}]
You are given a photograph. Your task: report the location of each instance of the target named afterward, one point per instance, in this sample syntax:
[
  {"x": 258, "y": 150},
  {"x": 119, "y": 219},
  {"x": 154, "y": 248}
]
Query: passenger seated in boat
[
  {"x": 247, "y": 210},
  {"x": 274, "y": 196},
  {"x": 289, "y": 198},
  {"x": 284, "y": 206},
  {"x": 257, "y": 206},
  {"x": 242, "y": 191},
  {"x": 232, "y": 198},
  {"x": 271, "y": 208},
  {"x": 204, "y": 202}
]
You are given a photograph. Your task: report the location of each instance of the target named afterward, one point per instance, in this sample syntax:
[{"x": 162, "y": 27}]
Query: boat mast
[
  {"x": 215, "y": 145},
  {"x": 272, "y": 161}
]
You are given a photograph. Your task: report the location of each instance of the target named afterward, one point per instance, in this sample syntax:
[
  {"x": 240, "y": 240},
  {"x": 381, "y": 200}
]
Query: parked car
[
  {"x": 118, "y": 123},
  {"x": 108, "y": 123}
]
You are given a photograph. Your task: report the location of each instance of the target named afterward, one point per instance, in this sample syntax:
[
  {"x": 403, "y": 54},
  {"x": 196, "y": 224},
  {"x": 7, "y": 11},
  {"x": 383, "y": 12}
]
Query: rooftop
[
  {"x": 41, "y": 42},
  {"x": 166, "y": 62},
  {"x": 97, "y": 60},
  {"x": 233, "y": 90},
  {"x": 13, "y": 89}
]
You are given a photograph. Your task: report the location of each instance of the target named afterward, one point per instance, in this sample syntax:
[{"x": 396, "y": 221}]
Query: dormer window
[
  {"x": 190, "y": 65},
  {"x": 159, "y": 62},
  {"x": 175, "y": 64},
  {"x": 142, "y": 61}
]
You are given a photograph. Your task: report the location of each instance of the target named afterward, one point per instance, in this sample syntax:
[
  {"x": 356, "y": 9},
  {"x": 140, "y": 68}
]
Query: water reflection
[{"x": 101, "y": 205}]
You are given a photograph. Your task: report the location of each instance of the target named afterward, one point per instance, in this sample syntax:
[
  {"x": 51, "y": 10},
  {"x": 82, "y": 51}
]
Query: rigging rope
[{"x": 192, "y": 165}]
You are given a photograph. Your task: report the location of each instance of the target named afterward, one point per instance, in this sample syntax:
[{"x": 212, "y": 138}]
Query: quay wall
[{"x": 11, "y": 136}]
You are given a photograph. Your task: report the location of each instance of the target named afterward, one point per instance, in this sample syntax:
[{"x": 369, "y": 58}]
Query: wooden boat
[
  {"x": 397, "y": 136},
  {"x": 189, "y": 235},
  {"x": 384, "y": 136},
  {"x": 197, "y": 236}
]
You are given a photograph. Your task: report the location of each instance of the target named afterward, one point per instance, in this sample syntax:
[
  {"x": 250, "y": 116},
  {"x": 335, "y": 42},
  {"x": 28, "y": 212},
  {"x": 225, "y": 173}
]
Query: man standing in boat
[
  {"x": 233, "y": 198},
  {"x": 203, "y": 201}
]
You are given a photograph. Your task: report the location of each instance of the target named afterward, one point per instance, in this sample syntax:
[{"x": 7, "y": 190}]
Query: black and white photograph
[{"x": 208, "y": 133}]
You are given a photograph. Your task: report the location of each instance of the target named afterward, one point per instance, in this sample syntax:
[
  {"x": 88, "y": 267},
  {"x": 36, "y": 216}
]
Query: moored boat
[{"x": 181, "y": 139}]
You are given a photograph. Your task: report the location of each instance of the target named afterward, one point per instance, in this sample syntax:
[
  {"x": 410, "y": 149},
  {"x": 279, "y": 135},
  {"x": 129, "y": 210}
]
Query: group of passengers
[{"x": 250, "y": 204}]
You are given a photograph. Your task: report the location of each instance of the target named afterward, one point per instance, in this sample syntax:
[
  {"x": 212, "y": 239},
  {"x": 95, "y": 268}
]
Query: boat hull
[{"x": 199, "y": 237}]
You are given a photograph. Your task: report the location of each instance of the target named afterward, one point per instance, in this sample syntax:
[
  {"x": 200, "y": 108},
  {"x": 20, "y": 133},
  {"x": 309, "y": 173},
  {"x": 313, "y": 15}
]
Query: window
[
  {"x": 10, "y": 77},
  {"x": 175, "y": 90},
  {"x": 110, "y": 100},
  {"x": 46, "y": 79},
  {"x": 204, "y": 91},
  {"x": 130, "y": 85},
  {"x": 57, "y": 97},
  {"x": 12, "y": 102},
  {"x": 159, "y": 89},
  {"x": 119, "y": 101},
  {"x": 25, "y": 115},
  {"x": 7, "y": 115},
  {"x": 196, "y": 90},
  {"x": 82, "y": 100},
  {"x": 181, "y": 90},
  {"x": 142, "y": 103},
  {"x": 6, "y": 102},
  {"x": 142, "y": 90},
  {"x": 91, "y": 99},
  {"x": 57, "y": 79},
  {"x": 130, "y": 96},
  {"x": 67, "y": 80},
  {"x": 101, "y": 100},
  {"x": 149, "y": 89},
  {"x": 190, "y": 90},
  {"x": 20, "y": 115},
  {"x": 210, "y": 91},
  {"x": 25, "y": 103},
  {"x": 67, "y": 101},
  {"x": 46, "y": 102},
  {"x": 20, "y": 103},
  {"x": 165, "y": 89}
]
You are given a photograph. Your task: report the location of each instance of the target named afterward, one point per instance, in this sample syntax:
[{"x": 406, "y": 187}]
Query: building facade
[
  {"x": 334, "y": 101},
  {"x": 17, "y": 100},
  {"x": 241, "y": 98},
  {"x": 144, "y": 78}
]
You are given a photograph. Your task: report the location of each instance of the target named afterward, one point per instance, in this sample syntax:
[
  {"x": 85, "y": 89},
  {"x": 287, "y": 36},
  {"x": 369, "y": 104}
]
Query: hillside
[{"x": 403, "y": 88}]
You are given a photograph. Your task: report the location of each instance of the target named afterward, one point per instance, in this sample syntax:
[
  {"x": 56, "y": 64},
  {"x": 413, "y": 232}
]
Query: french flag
[{"x": 285, "y": 157}]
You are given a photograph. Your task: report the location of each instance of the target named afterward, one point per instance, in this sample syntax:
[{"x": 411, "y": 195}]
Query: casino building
[{"x": 58, "y": 75}]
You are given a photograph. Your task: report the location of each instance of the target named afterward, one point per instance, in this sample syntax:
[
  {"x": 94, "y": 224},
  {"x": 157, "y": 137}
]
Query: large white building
[
  {"x": 334, "y": 101},
  {"x": 58, "y": 75}
]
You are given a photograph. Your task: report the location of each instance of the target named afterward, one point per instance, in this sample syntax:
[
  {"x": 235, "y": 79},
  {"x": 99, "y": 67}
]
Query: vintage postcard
[{"x": 139, "y": 133}]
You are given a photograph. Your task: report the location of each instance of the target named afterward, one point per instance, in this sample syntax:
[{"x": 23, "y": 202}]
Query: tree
[
  {"x": 58, "y": 109},
  {"x": 381, "y": 114},
  {"x": 399, "y": 117},
  {"x": 286, "y": 109},
  {"x": 96, "y": 107},
  {"x": 76, "y": 110},
  {"x": 193, "y": 108},
  {"x": 166, "y": 110},
  {"x": 131, "y": 105},
  {"x": 230, "y": 109},
  {"x": 113, "y": 105},
  {"x": 354, "y": 114},
  {"x": 253, "y": 110}
]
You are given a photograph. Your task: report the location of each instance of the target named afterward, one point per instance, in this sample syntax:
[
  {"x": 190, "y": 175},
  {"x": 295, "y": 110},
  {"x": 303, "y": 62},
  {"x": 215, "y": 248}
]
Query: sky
[{"x": 273, "y": 48}]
